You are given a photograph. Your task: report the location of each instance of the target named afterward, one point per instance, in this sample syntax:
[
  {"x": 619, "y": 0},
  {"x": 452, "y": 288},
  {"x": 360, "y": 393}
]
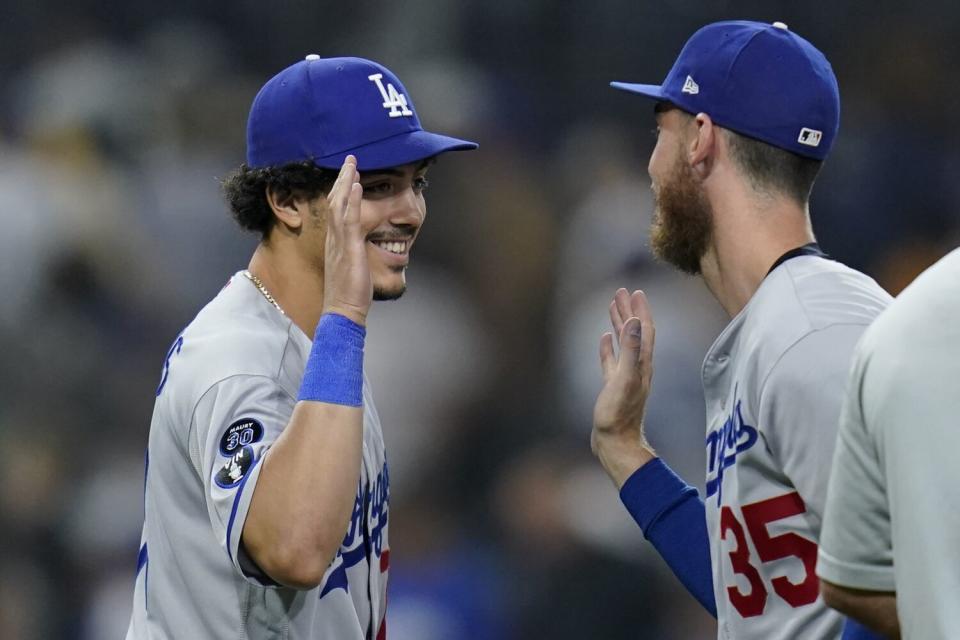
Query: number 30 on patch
[{"x": 241, "y": 433}]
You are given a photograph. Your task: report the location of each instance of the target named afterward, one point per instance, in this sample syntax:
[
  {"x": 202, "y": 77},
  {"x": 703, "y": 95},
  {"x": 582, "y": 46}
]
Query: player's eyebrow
[{"x": 397, "y": 172}]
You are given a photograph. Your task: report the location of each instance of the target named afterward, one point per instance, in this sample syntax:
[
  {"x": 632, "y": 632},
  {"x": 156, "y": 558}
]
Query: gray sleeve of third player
[
  {"x": 799, "y": 406},
  {"x": 234, "y": 424},
  {"x": 855, "y": 542}
]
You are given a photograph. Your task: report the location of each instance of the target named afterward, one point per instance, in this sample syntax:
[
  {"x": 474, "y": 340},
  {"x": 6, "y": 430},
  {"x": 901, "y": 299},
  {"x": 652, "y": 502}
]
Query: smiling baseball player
[
  {"x": 267, "y": 491},
  {"x": 745, "y": 118}
]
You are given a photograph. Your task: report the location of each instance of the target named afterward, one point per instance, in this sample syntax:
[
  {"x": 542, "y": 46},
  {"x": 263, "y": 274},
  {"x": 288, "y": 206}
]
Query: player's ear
[
  {"x": 287, "y": 208},
  {"x": 701, "y": 146}
]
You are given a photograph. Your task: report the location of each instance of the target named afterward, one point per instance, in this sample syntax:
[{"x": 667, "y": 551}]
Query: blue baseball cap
[
  {"x": 760, "y": 80},
  {"x": 323, "y": 109}
]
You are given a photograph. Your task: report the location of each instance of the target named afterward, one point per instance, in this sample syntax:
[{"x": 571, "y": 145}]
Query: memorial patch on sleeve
[{"x": 232, "y": 473}]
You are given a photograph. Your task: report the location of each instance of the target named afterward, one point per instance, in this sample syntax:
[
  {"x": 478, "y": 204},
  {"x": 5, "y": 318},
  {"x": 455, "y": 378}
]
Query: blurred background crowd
[{"x": 117, "y": 121}]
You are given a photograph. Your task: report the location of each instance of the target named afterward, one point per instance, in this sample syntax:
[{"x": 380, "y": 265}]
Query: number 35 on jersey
[{"x": 749, "y": 595}]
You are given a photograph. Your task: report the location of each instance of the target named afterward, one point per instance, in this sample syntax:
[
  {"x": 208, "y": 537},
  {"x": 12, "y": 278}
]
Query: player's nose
[{"x": 407, "y": 209}]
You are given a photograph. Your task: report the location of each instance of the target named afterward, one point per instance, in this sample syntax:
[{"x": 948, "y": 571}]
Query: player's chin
[{"x": 390, "y": 286}]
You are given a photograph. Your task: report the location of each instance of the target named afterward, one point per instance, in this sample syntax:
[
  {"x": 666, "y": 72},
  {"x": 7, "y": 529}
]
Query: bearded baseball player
[
  {"x": 267, "y": 492},
  {"x": 745, "y": 118}
]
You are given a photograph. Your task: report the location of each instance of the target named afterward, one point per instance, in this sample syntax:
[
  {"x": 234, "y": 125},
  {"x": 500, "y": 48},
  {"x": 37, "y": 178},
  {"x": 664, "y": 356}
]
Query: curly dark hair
[{"x": 246, "y": 190}]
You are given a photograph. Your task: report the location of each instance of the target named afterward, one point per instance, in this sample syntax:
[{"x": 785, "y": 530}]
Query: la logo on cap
[{"x": 392, "y": 99}]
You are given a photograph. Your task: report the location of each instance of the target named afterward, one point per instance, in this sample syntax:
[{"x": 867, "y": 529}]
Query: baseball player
[
  {"x": 267, "y": 491},
  {"x": 745, "y": 119},
  {"x": 888, "y": 552}
]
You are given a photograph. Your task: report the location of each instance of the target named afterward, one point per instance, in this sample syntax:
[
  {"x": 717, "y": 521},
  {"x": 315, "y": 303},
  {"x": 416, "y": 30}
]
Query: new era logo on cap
[
  {"x": 810, "y": 137},
  {"x": 691, "y": 87}
]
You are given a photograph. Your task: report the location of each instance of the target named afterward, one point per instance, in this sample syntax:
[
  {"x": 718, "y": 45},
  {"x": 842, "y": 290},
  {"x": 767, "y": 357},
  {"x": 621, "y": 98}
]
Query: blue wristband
[{"x": 334, "y": 371}]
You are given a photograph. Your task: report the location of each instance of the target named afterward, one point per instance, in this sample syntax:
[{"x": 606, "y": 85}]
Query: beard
[
  {"x": 382, "y": 293},
  {"x": 682, "y": 221}
]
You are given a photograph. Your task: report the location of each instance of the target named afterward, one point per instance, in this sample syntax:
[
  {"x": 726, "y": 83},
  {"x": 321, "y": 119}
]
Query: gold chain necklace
[{"x": 259, "y": 285}]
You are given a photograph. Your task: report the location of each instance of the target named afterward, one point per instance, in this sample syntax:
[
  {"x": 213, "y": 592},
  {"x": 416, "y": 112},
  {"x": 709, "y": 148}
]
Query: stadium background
[{"x": 116, "y": 121}]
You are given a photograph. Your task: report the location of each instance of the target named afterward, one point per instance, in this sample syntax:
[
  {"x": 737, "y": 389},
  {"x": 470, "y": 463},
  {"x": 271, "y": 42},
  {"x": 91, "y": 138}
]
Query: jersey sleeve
[
  {"x": 855, "y": 542},
  {"x": 234, "y": 425},
  {"x": 673, "y": 519},
  {"x": 799, "y": 405}
]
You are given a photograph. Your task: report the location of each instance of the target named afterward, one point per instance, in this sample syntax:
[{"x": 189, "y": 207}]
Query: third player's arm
[
  {"x": 855, "y": 562},
  {"x": 875, "y": 609}
]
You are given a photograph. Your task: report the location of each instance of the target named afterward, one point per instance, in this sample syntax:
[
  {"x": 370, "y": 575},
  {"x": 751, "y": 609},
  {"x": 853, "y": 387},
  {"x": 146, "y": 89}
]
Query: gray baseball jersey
[
  {"x": 773, "y": 383},
  {"x": 893, "y": 511},
  {"x": 228, "y": 388}
]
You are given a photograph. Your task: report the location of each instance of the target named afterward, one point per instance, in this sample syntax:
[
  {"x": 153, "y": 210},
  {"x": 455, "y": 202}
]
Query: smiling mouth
[{"x": 397, "y": 247}]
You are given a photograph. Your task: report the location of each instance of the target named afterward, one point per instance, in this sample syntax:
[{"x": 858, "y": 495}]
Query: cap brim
[
  {"x": 654, "y": 91},
  {"x": 403, "y": 148}
]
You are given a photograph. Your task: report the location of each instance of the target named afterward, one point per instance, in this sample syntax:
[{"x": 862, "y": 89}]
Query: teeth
[{"x": 393, "y": 247}]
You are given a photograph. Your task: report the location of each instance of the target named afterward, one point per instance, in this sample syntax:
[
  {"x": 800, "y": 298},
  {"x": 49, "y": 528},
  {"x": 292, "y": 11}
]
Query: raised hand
[
  {"x": 348, "y": 288},
  {"x": 617, "y": 438}
]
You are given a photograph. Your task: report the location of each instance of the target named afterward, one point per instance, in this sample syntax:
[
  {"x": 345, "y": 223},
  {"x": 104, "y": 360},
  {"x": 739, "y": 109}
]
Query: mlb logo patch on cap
[{"x": 810, "y": 137}]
